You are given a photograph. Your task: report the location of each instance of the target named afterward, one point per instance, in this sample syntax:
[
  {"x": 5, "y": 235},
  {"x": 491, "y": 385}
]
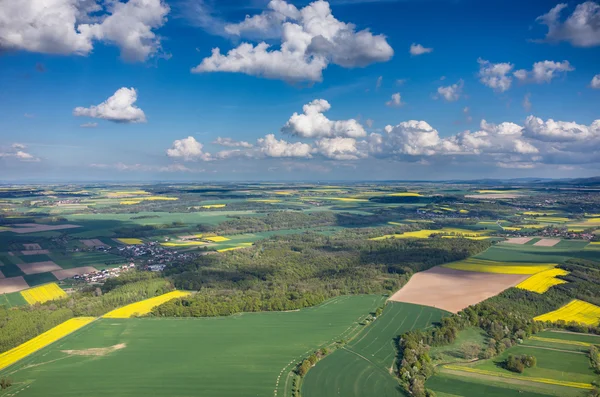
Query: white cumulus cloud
[
  {"x": 272, "y": 147},
  {"x": 395, "y": 101},
  {"x": 418, "y": 49},
  {"x": 452, "y": 92},
  {"x": 311, "y": 38},
  {"x": 338, "y": 148},
  {"x": 118, "y": 108},
  {"x": 595, "y": 82},
  {"x": 495, "y": 75},
  {"x": 71, "y": 26},
  {"x": 543, "y": 72},
  {"x": 313, "y": 123},
  {"x": 580, "y": 29},
  {"x": 231, "y": 143},
  {"x": 561, "y": 131},
  {"x": 188, "y": 149}
]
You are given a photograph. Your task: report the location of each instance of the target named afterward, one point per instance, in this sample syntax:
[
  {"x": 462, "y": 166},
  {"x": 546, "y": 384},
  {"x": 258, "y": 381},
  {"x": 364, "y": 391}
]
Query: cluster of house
[
  {"x": 101, "y": 275},
  {"x": 154, "y": 256}
]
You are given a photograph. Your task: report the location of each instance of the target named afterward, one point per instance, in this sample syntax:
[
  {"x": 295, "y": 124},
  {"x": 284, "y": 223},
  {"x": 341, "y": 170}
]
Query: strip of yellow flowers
[
  {"x": 526, "y": 378},
  {"x": 145, "y": 306},
  {"x": 31, "y": 346}
]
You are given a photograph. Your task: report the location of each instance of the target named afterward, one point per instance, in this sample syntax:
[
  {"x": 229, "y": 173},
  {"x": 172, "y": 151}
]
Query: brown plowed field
[{"x": 453, "y": 290}]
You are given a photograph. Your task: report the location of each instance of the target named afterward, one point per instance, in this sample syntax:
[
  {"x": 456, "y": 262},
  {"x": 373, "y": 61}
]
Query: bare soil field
[
  {"x": 493, "y": 196},
  {"x": 518, "y": 240},
  {"x": 38, "y": 267},
  {"x": 12, "y": 284},
  {"x": 95, "y": 351},
  {"x": 453, "y": 290},
  {"x": 36, "y": 227},
  {"x": 547, "y": 242},
  {"x": 68, "y": 273},
  {"x": 93, "y": 243},
  {"x": 32, "y": 246},
  {"x": 35, "y": 252}
]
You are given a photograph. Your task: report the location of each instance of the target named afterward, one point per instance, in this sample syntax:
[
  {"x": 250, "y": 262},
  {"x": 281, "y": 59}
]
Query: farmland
[
  {"x": 276, "y": 272},
  {"x": 576, "y": 310},
  {"x": 200, "y": 353},
  {"x": 365, "y": 363},
  {"x": 562, "y": 369}
]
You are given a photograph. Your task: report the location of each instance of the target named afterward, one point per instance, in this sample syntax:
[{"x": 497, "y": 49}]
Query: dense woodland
[{"x": 296, "y": 271}]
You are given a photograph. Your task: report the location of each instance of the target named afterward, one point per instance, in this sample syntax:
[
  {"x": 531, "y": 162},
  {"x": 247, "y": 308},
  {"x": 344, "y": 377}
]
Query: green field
[
  {"x": 241, "y": 355},
  {"x": 444, "y": 384},
  {"x": 453, "y": 352},
  {"x": 551, "y": 364},
  {"x": 555, "y": 362},
  {"x": 365, "y": 363},
  {"x": 12, "y": 299}
]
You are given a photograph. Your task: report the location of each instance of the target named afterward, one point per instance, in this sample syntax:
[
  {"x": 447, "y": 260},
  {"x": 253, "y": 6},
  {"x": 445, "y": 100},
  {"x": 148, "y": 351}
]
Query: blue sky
[{"x": 162, "y": 125}]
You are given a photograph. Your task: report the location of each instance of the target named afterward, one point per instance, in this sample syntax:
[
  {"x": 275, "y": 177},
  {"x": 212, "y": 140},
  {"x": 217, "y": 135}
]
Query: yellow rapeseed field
[
  {"x": 216, "y": 239},
  {"x": 552, "y": 219},
  {"x": 405, "y": 194},
  {"x": 242, "y": 245},
  {"x": 183, "y": 244},
  {"x": 130, "y": 202},
  {"x": 540, "y": 212},
  {"x": 31, "y": 346},
  {"x": 127, "y": 193},
  {"x": 485, "y": 266},
  {"x": 209, "y": 206},
  {"x": 426, "y": 233},
  {"x": 543, "y": 281},
  {"x": 511, "y": 228},
  {"x": 130, "y": 241},
  {"x": 576, "y": 310},
  {"x": 145, "y": 306},
  {"x": 513, "y": 376},
  {"x": 463, "y": 211},
  {"x": 43, "y": 293},
  {"x": 532, "y": 226},
  {"x": 159, "y": 198}
]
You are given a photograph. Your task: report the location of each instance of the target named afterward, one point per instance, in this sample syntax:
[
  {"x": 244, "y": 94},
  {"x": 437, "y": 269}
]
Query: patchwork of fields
[
  {"x": 365, "y": 365},
  {"x": 201, "y": 354},
  {"x": 562, "y": 370}
]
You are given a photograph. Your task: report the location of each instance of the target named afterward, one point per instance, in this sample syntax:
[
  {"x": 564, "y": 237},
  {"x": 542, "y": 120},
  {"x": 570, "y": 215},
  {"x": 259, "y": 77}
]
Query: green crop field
[
  {"x": 551, "y": 364},
  {"x": 527, "y": 253},
  {"x": 363, "y": 364},
  {"x": 240, "y": 355},
  {"x": 453, "y": 352},
  {"x": 12, "y": 299},
  {"x": 570, "y": 336},
  {"x": 444, "y": 384}
]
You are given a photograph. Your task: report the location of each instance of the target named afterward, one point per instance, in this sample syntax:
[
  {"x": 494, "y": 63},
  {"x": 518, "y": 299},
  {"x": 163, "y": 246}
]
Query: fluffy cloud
[
  {"x": 311, "y": 38},
  {"x": 495, "y": 75},
  {"x": 561, "y": 131},
  {"x": 595, "y": 82},
  {"x": 313, "y": 123},
  {"x": 338, "y": 148},
  {"x": 418, "y": 49},
  {"x": 18, "y": 151},
  {"x": 396, "y": 100},
  {"x": 188, "y": 149},
  {"x": 451, "y": 93},
  {"x": 581, "y": 28},
  {"x": 272, "y": 147},
  {"x": 70, "y": 26},
  {"x": 118, "y": 108},
  {"x": 231, "y": 143},
  {"x": 544, "y": 72}
]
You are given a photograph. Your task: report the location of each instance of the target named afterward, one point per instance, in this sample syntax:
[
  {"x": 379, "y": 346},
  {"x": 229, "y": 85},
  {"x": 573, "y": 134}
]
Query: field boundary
[{"x": 469, "y": 370}]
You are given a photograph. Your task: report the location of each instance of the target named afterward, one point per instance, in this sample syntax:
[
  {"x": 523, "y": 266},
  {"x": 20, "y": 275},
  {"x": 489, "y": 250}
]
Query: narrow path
[{"x": 551, "y": 348}]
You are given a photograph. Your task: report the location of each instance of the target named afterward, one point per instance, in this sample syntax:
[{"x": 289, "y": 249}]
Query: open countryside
[{"x": 322, "y": 287}]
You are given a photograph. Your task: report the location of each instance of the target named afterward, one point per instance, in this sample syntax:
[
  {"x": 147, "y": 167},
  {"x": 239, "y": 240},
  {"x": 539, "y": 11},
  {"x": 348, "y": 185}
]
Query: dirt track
[{"x": 453, "y": 290}]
